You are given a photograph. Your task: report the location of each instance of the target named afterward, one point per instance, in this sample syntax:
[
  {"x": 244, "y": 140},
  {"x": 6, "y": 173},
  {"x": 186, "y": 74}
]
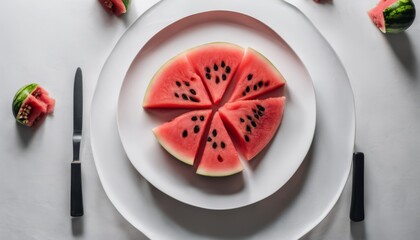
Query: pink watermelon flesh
[
  {"x": 253, "y": 123},
  {"x": 220, "y": 157},
  {"x": 181, "y": 137},
  {"x": 43, "y": 96},
  {"x": 255, "y": 76},
  {"x": 114, "y": 6},
  {"x": 35, "y": 106},
  {"x": 216, "y": 63},
  {"x": 176, "y": 85},
  {"x": 376, "y": 14}
]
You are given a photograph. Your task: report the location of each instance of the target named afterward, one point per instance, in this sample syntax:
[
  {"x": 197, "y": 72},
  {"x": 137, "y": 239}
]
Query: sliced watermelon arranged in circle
[
  {"x": 181, "y": 137},
  {"x": 253, "y": 123},
  {"x": 256, "y": 76},
  {"x": 216, "y": 63},
  {"x": 176, "y": 85},
  {"x": 220, "y": 157},
  {"x": 31, "y": 103}
]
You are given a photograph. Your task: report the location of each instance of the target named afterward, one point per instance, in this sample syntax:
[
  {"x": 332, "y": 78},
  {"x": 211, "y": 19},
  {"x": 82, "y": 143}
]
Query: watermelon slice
[
  {"x": 255, "y": 76},
  {"x": 176, "y": 85},
  {"x": 253, "y": 123},
  {"x": 216, "y": 63},
  {"x": 31, "y": 103},
  {"x": 181, "y": 137},
  {"x": 393, "y": 16},
  {"x": 220, "y": 157},
  {"x": 118, "y": 7}
]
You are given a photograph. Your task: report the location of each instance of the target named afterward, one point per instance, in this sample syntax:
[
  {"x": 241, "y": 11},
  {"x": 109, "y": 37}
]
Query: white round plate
[
  {"x": 288, "y": 213},
  {"x": 268, "y": 171}
]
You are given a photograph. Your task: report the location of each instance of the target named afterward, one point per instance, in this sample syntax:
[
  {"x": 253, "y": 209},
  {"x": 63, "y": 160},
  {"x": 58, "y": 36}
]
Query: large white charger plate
[
  {"x": 288, "y": 213},
  {"x": 265, "y": 174}
]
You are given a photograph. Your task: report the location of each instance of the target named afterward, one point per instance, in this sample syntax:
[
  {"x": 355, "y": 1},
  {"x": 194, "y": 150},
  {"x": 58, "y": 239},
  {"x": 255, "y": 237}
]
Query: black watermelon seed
[
  {"x": 254, "y": 110},
  {"x": 219, "y": 158},
  {"x": 178, "y": 83},
  {"x": 261, "y": 108},
  {"x": 214, "y": 145},
  {"x": 215, "y": 67},
  {"x": 256, "y": 116},
  {"x": 214, "y": 132},
  {"x": 248, "y": 89},
  {"x": 222, "y": 144},
  {"x": 196, "y": 129},
  {"x": 255, "y": 87},
  {"x": 246, "y": 138},
  {"x": 249, "y": 117},
  {"x": 176, "y": 95},
  {"x": 253, "y": 124},
  {"x": 249, "y": 77},
  {"x": 192, "y": 91},
  {"x": 209, "y": 139},
  {"x": 224, "y": 77},
  {"x": 228, "y": 69},
  {"x": 260, "y": 83},
  {"x": 194, "y": 118},
  {"x": 241, "y": 119},
  {"x": 248, "y": 128},
  {"x": 208, "y": 76},
  {"x": 193, "y": 99},
  {"x": 223, "y": 64},
  {"x": 207, "y": 69},
  {"x": 217, "y": 79},
  {"x": 260, "y": 113},
  {"x": 243, "y": 93},
  {"x": 184, "y": 133},
  {"x": 184, "y": 96},
  {"x": 186, "y": 83},
  {"x": 266, "y": 83},
  {"x": 201, "y": 118}
]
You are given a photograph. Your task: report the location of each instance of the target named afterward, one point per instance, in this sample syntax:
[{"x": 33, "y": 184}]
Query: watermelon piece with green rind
[
  {"x": 31, "y": 103},
  {"x": 216, "y": 63},
  {"x": 181, "y": 136},
  {"x": 118, "y": 7},
  {"x": 176, "y": 85},
  {"x": 253, "y": 123},
  {"x": 255, "y": 76},
  {"x": 393, "y": 16},
  {"x": 220, "y": 157}
]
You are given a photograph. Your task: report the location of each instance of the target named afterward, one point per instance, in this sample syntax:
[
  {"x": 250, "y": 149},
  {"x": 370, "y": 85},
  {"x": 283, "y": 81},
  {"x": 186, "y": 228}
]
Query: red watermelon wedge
[
  {"x": 255, "y": 76},
  {"x": 181, "y": 137},
  {"x": 253, "y": 123},
  {"x": 219, "y": 157},
  {"x": 216, "y": 63},
  {"x": 176, "y": 85}
]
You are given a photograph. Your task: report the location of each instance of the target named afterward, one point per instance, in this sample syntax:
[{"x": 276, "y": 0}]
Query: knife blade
[{"x": 76, "y": 197}]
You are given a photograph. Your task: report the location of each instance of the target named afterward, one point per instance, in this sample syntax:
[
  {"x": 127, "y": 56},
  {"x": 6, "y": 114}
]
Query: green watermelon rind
[
  {"x": 20, "y": 97},
  {"x": 399, "y": 16},
  {"x": 211, "y": 173},
  {"x": 126, "y": 4}
]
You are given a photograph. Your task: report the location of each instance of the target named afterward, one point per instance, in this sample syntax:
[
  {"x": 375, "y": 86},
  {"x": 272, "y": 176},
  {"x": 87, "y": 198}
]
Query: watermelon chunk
[
  {"x": 220, "y": 157},
  {"x": 31, "y": 103},
  {"x": 181, "y": 137},
  {"x": 255, "y": 76},
  {"x": 253, "y": 123},
  {"x": 118, "y": 7},
  {"x": 176, "y": 85},
  {"x": 393, "y": 16},
  {"x": 216, "y": 63}
]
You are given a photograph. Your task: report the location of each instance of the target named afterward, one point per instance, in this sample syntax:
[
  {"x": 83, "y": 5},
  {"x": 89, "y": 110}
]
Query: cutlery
[
  {"x": 76, "y": 197},
  {"x": 357, "y": 209}
]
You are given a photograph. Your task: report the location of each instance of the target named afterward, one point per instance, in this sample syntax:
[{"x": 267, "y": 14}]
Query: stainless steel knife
[{"x": 76, "y": 197}]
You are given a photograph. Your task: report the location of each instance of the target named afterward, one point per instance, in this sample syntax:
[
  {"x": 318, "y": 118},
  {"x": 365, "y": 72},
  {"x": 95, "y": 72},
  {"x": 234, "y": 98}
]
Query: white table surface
[{"x": 45, "y": 41}]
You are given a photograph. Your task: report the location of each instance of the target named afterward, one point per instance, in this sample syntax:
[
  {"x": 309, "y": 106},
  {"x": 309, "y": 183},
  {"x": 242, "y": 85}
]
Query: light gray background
[{"x": 45, "y": 41}]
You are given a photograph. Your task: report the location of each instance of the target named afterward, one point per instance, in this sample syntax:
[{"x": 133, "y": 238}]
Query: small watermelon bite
[
  {"x": 118, "y": 7},
  {"x": 255, "y": 76},
  {"x": 393, "y": 16},
  {"x": 220, "y": 157},
  {"x": 176, "y": 85},
  {"x": 253, "y": 123},
  {"x": 181, "y": 137},
  {"x": 216, "y": 63},
  {"x": 31, "y": 103}
]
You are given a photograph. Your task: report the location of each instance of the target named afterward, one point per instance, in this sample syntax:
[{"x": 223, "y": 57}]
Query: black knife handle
[
  {"x": 76, "y": 197},
  {"x": 357, "y": 209}
]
